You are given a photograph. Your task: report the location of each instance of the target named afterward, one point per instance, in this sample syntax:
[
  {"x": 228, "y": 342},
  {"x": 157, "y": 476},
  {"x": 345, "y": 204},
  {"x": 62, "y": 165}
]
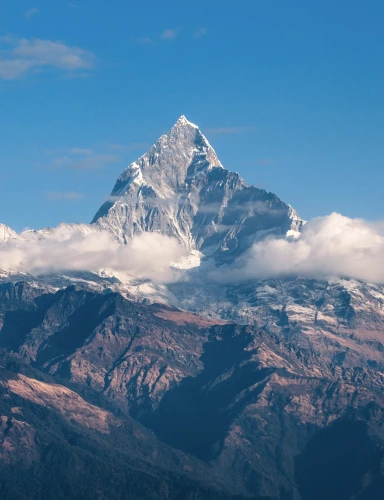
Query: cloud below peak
[
  {"x": 334, "y": 245},
  {"x": 148, "y": 255}
]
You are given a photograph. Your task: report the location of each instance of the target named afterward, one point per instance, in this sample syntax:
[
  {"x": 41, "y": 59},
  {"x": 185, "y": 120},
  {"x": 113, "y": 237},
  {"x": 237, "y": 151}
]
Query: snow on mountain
[
  {"x": 180, "y": 189},
  {"x": 47, "y": 232},
  {"x": 7, "y": 234}
]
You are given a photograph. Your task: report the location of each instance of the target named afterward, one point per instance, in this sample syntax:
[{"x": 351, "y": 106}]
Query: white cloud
[
  {"x": 68, "y": 195},
  {"x": 169, "y": 34},
  {"x": 329, "y": 246},
  {"x": 31, "y": 12},
  {"x": 200, "y": 32},
  {"x": 148, "y": 255},
  {"x": 22, "y": 56}
]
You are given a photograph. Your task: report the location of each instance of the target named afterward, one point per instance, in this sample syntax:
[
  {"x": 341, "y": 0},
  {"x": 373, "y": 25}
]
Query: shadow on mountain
[
  {"x": 340, "y": 463},
  {"x": 80, "y": 325},
  {"x": 18, "y": 323},
  {"x": 195, "y": 416}
]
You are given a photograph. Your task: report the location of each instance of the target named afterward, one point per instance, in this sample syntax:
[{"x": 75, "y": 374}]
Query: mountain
[
  {"x": 116, "y": 386},
  {"x": 266, "y": 412},
  {"x": 179, "y": 188}
]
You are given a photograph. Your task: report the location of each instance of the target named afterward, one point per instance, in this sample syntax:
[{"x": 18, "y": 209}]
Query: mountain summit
[{"x": 180, "y": 188}]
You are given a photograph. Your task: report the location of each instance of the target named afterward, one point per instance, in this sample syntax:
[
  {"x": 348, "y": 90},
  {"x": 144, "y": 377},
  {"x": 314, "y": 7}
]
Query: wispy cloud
[
  {"x": 90, "y": 162},
  {"x": 93, "y": 162},
  {"x": 229, "y": 130},
  {"x": 84, "y": 158},
  {"x": 128, "y": 147},
  {"x": 21, "y": 57},
  {"x": 200, "y": 32},
  {"x": 81, "y": 151},
  {"x": 153, "y": 41},
  {"x": 169, "y": 34},
  {"x": 31, "y": 12},
  {"x": 265, "y": 162},
  {"x": 59, "y": 196},
  {"x": 261, "y": 162},
  {"x": 145, "y": 40}
]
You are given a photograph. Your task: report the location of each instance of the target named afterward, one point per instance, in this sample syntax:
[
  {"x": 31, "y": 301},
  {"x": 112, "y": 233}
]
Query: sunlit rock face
[{"x": 179, "y": 188}]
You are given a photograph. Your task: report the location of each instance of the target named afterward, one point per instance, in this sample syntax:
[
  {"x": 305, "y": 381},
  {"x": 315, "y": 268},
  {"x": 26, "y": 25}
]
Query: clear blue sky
[{"x": 290, "y": 94}]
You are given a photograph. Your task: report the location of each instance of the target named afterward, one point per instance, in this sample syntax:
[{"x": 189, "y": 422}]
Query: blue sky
[{"x": 290, "y": 94}]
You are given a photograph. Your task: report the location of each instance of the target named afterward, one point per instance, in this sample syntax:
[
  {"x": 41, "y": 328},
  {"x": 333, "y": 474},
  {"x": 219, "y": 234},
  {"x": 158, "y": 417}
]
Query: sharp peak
[{"x": 183, "y": 122}]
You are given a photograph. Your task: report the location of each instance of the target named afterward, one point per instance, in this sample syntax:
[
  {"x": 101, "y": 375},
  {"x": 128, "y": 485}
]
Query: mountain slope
[
  {"x": 56, "y": 445},
  {"x": 249, "y": 401}
]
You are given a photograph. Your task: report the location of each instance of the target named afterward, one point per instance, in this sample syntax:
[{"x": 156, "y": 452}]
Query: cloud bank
[
  {"x": 334, "y": 245},
  {"x": 148, "y": 255},
  {"x": 328, "y": 246}
]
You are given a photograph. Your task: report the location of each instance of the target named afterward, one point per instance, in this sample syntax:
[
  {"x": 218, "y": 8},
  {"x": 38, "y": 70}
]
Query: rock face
[{"x": 179, "y": 188}]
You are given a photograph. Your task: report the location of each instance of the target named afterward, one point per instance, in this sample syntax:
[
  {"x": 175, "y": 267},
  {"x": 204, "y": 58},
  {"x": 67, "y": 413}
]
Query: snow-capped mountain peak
[
  {"x": 183, "y": 122},
  {"x": 180, "y": 188}
]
